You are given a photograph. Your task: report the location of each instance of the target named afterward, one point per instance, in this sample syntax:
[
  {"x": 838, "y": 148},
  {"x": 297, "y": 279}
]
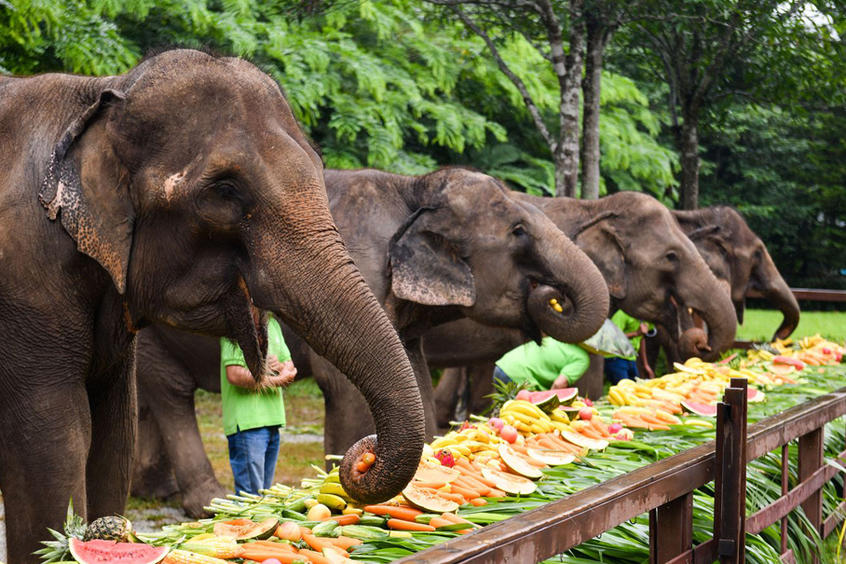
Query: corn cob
[
  {"x": 218, "y": 547},
  {"x": 177, "y": 556}
]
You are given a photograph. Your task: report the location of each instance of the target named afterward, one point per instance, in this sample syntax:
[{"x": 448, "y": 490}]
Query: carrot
[
  {"x": 472, "y": 483},
  {"x": 433, "y": 485},
  {"x": 496, "y": 493},
  {"x": 457, "y": 498},
  {"x": 403, "y": 525},
  {"x": 316, "y": 557},
  {"x": 519, "y": 448},
  {"x": 440, "y": 522},
  {"x": 478, "y": 501},
  {"x": 349, "y": 519},
  {"x": 344, "y": 543},
  {"x": 464, "y": 492},
  {"x": 262, "y": 553},
  {"x": 272, "y": 544},
  {"x": 396, "y": 511},
  {"x": 317, "y": 543}
]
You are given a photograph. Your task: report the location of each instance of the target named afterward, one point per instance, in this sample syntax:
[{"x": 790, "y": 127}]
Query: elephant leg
[
  {"x": 167, "y": 388},
  {"x": 113, "y": 428},
  {"x": 591, "y": 383},
  {"x": 152, "y": 475},
  {"x": 42, "y": 464},
  {"x": 446, "y": 396},
  {"x": 480, "y": 380}
]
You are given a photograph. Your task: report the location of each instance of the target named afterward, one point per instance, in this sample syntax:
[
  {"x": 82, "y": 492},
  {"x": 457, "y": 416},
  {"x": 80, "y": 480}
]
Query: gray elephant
[
  {"x": 182, "y": 193},
  {"x": 653, "y": 272},
  {"x": 740, "y": 261},
  {"x": 449, "y": 244},
  {"x": 739, "y": 258}
]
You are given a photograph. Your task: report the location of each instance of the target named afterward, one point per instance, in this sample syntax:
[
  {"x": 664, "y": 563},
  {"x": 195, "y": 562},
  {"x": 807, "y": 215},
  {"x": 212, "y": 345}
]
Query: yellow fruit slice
[
  {"x": 423, "y": 499},
  {"x": 517, "y": 464},
  {"x": 550, "y": 457},
  {"x": 580, "y": 440},
  {"x": 509, "y": 483}
]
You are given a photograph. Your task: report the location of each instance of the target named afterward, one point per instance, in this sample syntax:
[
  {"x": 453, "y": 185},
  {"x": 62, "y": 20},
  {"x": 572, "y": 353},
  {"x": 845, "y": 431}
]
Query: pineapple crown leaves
[{"x": 57, "y": 550}]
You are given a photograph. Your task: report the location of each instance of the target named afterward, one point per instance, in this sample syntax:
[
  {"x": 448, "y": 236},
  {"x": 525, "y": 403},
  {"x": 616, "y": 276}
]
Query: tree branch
[{"x": 515, "y": 80}]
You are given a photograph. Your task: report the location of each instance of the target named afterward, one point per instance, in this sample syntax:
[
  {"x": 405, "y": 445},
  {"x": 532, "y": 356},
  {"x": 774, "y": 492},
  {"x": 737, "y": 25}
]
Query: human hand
[
  {"x": 560, "y": 383},
  {"x": 286, "y": 374},
  {"x": 273, "y": 364}
]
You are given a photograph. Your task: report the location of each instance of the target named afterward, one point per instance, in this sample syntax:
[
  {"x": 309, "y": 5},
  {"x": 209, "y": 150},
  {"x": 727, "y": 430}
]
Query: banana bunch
[
  {"x": 467, "y": 442},
  {"x": 526, "y": 417}
]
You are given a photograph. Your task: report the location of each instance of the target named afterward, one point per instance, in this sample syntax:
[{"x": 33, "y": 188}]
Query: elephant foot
[{"x": 197, "y": 498}]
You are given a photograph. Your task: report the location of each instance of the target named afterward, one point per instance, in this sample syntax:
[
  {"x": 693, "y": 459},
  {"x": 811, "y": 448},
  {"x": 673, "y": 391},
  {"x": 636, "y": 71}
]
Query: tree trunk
[
  {"x": 591, "y": 85},
  {"x": 688, "y": 145},
  {"x": 566, "y": 156}
]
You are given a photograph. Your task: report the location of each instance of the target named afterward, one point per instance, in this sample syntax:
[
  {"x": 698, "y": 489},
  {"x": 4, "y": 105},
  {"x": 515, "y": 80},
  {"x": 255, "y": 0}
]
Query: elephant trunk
[
  {"x": 713, "y": 304},
  {"x": 317, "y": 290},
  {"x": 583, "y": 301},
  {"x": 774, "y": 289}
]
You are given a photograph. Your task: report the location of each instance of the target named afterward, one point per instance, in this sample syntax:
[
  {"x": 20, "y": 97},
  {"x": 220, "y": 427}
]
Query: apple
[
  {"x": 588, "y": 402},
  {"x": 524, "y": 395},
  {"x": 586, "y": 413},
  {"x": 508, "y": 433},
  {"x": 496, "y": 423},
  {"x": 614, "y": 428}
]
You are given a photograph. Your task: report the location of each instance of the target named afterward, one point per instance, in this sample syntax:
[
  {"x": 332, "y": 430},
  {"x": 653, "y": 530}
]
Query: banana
[
  {"x": 334, "y": 488},
  {"x": 332, "y": 501},
  {"x": 443, "y": 442},
  {"x": 527, "y": 408}
]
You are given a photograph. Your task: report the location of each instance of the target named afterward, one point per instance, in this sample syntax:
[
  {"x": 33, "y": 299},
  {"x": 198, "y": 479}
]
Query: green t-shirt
[
  {"x": 628, "y": 324},
  {"x": 245, "y": 409},
  {"x": 541, "y": 365}
]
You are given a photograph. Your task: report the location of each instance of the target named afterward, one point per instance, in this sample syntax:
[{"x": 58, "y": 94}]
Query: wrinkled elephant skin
[{"x": 133, "y": 204}]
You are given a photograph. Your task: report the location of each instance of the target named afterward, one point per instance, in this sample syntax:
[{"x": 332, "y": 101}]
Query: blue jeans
[
  {"x": 499, "y": 374},
  {"x": 252, "y": 454},
  {"x": 617, "y": 369}
]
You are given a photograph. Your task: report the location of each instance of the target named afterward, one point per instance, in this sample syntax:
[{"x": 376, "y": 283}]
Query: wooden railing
[
  {"x": 810, "y": 294},
  {"x": 665, "y": 490}
]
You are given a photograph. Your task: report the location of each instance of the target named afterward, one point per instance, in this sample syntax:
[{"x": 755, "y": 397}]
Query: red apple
[
  {"x": 523, "y": 395},
  {"x": 496, "y": 423},
  {"x": 586, "y": 413},
  {"x": 508, "y": 433},
  {"x": 614, "y": 428}
]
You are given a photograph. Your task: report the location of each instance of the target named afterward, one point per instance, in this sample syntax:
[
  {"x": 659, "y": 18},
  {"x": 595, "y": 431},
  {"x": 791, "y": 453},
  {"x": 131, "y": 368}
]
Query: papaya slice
[
  {"x": 508, "y": 482},
  {"x": 427, "y": 500},
  {"x": 517, "y": 464}
]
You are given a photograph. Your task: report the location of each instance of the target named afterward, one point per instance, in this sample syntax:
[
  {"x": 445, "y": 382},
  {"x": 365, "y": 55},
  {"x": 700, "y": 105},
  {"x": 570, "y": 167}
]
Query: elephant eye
[
  {"x": 672, "y": 256},
  {"x": 518, "y": 230},
  {"x": 226, "y": 190}
]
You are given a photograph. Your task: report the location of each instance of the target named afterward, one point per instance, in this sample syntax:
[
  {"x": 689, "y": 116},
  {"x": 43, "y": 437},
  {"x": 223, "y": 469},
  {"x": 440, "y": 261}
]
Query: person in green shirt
[
  {"x": 253, "y": 413},
  {"x": 621, "y": 368},
  {"x": 550, "y": 365}
]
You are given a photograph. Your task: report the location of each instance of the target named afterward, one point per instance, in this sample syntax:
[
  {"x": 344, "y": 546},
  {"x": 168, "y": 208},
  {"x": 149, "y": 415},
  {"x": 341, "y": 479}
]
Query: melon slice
[
  {"x": 241, "y": 530},
  {"x": 509, "y": 483},
  {"x": 566, "y": 395},
  {"x": 580, "y": 440},
  {"x": 781, "y": 369},
  {"x": 431, "y": 473},
  {"x": 423, "y": 498},
  {"x": 546, "y": 400},
  {"x": 704, "y": 409},
  {"x": 98, "y": 550},
  {"x": 754, "y": 395},
  {"x": 517, "y": 464},
  {"x": 550, "y": 457}
]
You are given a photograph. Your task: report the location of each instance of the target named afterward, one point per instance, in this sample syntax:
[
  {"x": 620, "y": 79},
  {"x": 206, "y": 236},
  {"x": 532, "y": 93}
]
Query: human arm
[
  {"x": 576, "y": 364},
  {"x": 282, "y": 374}
]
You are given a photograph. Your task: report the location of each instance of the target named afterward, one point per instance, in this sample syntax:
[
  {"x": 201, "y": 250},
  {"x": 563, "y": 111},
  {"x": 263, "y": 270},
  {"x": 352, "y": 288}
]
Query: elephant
[
  {"x": 739, "y": 258},
  {"x": 652, "y": 270},
  {"x": 433, "y": 248},
  {"x": 184, "y": 193},
  {"x": 740, "y": 261}
]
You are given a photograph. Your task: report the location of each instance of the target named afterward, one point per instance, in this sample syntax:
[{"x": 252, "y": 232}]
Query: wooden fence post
[
  {"x": 730, "y": 479},
  {"x": 671, "y": 529}
]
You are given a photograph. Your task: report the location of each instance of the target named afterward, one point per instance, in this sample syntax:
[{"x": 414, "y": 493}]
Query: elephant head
[
  {"x": 652, "y": 269},
  {"x": 739, "y": 259},
  {"x": 191, "y": 184},
  {"x": 465, "y": 248}
]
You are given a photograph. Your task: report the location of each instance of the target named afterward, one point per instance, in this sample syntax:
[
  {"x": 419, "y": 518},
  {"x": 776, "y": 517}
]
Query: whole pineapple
[
  {"x": 110, "y": 527},
  {"x": 58, "y": 550}
]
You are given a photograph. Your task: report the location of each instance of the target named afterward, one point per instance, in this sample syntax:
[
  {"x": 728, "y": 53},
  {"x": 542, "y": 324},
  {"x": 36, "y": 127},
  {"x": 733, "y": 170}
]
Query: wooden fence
[{"x": 665, "y": 490}]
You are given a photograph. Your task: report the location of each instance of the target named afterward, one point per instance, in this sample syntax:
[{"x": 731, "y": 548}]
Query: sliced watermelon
[
  {"x": 698, "y": 408},
  {"x": 99, "y": 550},
  {"x": 790, "y": 361},
  {"x": 546, "y": 400},
  {"x": 754, "y": 395}
]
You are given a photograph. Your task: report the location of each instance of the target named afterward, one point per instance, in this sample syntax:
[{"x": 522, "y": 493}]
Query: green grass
[{"x": 759, "y": 325}]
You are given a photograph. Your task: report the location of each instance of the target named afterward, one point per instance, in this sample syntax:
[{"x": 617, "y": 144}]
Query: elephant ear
[
  {"x": 86, "y": 183},
  {"x": 425, "y": 267},
  {"x": 600, "y": 241}
]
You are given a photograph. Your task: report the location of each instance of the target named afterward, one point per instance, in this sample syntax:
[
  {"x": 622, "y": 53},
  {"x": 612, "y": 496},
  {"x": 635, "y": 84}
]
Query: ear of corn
[
  {"x": 177, "y": 556},
  {"x": 219, "y": 547}
]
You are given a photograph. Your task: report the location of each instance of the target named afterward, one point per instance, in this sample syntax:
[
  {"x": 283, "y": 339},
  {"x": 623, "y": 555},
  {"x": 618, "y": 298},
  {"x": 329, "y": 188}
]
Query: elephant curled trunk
[{"x": 338, "y": 316}]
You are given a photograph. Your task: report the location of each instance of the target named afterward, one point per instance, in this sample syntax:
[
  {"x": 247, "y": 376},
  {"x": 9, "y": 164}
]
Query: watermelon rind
[
  {"x": 99, "y": 551},
  {"x": 566, "y": 395},
  {"x": 703, "y": 409},
  {"x": 546, "y": 400},
  {"x": 754, "y": 395}
]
